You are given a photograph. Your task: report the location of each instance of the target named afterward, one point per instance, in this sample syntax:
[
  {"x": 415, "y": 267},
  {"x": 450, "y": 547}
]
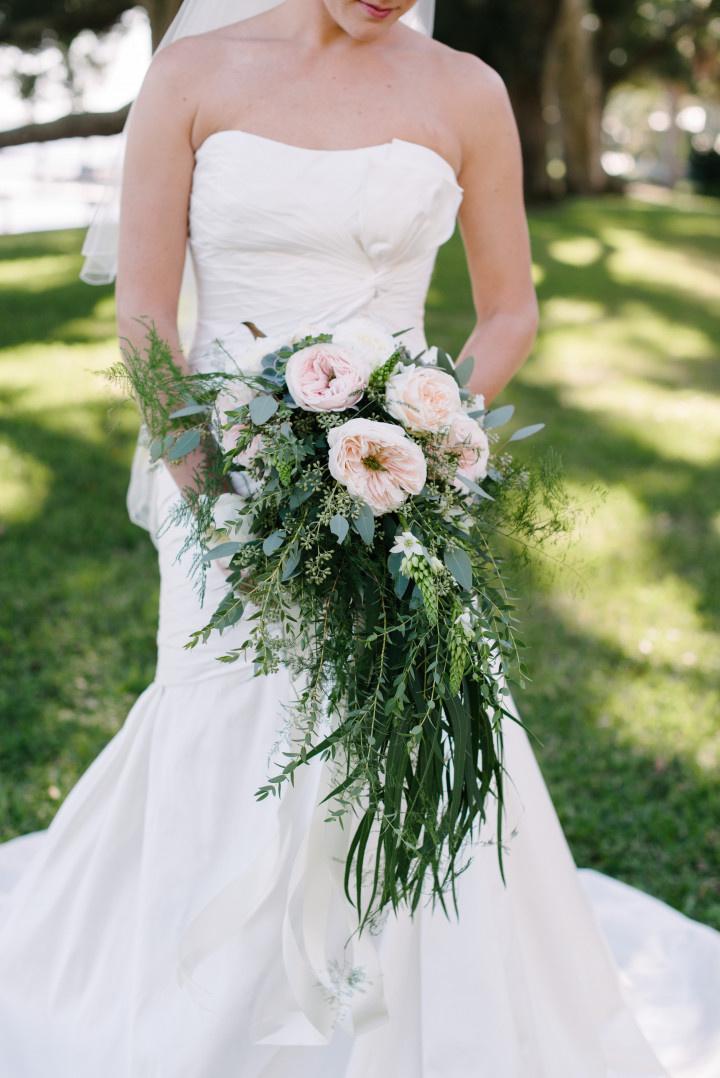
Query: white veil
[{"x": 194, "y": 17}]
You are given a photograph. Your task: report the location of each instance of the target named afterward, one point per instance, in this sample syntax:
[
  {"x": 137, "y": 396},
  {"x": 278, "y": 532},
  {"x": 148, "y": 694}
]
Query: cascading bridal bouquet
[{"x": 362, "y": 553}]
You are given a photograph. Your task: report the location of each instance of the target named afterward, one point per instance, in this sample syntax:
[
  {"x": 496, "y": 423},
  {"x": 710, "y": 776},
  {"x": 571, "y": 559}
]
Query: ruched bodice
[{"x": 283, "y": 235}]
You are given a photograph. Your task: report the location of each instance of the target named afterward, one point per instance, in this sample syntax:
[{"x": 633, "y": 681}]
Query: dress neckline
[{"x": 443, "y": 161}]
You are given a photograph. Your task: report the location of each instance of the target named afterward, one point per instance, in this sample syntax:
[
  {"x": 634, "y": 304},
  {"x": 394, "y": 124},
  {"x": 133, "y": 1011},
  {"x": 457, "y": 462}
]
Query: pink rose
[
  {"x": 469, "y": 444},
  {"x": 377, "y": 462},
  {"x": 422, "y": 398},
  {"x": 326, "y": 378}
]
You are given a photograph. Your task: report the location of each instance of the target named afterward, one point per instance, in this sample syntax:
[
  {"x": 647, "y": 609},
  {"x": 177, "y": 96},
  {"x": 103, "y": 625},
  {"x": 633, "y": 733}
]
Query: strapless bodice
[
  {"x": 288, "y": 237},
  {"x": 283, "y": 235}
]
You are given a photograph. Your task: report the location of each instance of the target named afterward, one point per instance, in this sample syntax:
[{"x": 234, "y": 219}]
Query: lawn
[{"x": 624, "y": 636}]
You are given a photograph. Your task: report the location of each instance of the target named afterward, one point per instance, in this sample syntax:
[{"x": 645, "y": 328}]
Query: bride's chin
[{"x": 364, "y": 19}]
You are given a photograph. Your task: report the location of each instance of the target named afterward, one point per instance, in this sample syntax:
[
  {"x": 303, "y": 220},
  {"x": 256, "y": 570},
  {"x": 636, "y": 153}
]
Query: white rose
[
  {"x": 423, "y": 398},
  {"x": 370, "y": 340},
  {"x": 249, "y": 358},
  {"x": 309, "y": 329}
]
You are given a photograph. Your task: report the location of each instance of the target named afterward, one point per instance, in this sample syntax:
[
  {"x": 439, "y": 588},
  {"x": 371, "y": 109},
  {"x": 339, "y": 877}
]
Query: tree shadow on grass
[
  {"x": 48, "y": 303},
  {"x": 77, "y": 609}
]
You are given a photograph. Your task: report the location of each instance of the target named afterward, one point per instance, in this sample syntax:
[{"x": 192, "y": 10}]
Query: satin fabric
[{"x": 169, "y": 924}]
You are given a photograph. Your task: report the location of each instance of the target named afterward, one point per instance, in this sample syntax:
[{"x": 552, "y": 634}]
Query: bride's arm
[
  {"x": 493, "y": 226},
  {"x": 156, "y": 186}
]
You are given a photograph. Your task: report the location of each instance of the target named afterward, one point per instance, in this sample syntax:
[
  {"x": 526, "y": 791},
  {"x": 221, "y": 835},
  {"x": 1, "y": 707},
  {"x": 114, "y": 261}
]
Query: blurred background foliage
[{"x": 602, "y": 89}]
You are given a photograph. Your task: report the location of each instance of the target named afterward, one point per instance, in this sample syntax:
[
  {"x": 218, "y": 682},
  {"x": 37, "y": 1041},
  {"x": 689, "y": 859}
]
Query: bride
[{"x": 167, "y": 925}]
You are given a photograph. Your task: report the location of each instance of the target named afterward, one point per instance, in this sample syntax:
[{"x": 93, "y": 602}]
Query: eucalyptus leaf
[
  {"x": 189, "y": 409},
  {"x": 298, "y": 496},
  {"x": 262, "y": 408},
  {"x": 499, "y": 416},
  {"x": 291, "y": 562},
  {"x": 464, "y": 370},
  {"x": 364, "y": 524},
  {"x": 186, "y": 443},
  {"x": 401, "y": 584},
  {"x": 458, "y": 562},
  {"x": 474, "y": 487},
  {"x": 526, "y": 432},
  {"x": 339, "y": 526},
  {"x": 273, "y": 542},
  {"x": 394, "y": 563},
  {"x": 157, "y": 445},
  {"x": 444, "y": 361},
  {"x": 223, "y": 550}
]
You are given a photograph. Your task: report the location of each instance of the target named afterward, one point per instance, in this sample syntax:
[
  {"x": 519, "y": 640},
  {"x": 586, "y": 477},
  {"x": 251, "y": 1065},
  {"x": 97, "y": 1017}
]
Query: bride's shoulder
[
  {"x": 474, "y": 94},
  {"x": 464, "y": 74}
]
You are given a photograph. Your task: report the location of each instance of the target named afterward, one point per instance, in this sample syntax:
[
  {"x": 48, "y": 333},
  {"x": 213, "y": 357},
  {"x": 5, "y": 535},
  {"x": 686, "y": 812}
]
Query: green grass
[{"x": 624, "y": 641}]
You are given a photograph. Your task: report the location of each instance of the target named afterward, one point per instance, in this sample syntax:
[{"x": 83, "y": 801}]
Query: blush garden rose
[
  {"x": 326, "y": 378},
  {"x": 376, "y": 462},
  {"x": 423, "y": 398}
]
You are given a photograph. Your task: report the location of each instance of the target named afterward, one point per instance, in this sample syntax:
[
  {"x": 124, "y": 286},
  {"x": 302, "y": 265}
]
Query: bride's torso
[{"x": 283, "y": 235}]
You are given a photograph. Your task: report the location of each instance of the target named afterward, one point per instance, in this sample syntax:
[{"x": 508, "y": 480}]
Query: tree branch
[{"x": 74, "y": 125}]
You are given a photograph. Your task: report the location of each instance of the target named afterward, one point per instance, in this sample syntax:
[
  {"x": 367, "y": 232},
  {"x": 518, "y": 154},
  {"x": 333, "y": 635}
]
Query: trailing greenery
[{"x": 394, "y": 618}]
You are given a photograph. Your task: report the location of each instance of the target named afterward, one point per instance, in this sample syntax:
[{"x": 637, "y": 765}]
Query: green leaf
[
  {"x": 224, "y": 550},
  {"x": 189, "y": 409},
  {"x": 262, "y": 408},
  {"x": 526, "y": 432},
  {"x": 498, "y": 416},
  {"x": 474, "y": 487},
  {"x": 156, "y": 449},
  {"x": 444, "y": 361},
  {"x": 273, "y": 542},
  {"x": 464, "y": 370},
  {"x": 394, "y": 563},
  {"x": 364, "y": 524},
  {"x": 339, "y": 526},
  {"x": 291, "y": 562},
  {"x": 458, "y": 562},
  {"x": 401, "y": 583},
  {"x": 186, "y": 443},
  {"x": 300, "y": 495}
]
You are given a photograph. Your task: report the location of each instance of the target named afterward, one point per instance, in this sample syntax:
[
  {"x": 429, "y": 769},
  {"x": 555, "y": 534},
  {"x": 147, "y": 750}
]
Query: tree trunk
[
  {"x": 161, "y": 13},
  {"x": 74, "y": 125},
  {"x": 528, "y": 108},
  {"x": 573, "y": 80}
]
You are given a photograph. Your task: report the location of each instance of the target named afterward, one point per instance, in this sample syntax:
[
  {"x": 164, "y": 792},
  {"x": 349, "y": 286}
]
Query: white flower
[
  {"x": 249, "y": 358},
  {"x": 408, "y": 544},
  {"x": 436, "y": 564},
  {"x": 309, "y": 329},
  {"x": 370, "y": 340},
  {"x": 478, "y": 403}
]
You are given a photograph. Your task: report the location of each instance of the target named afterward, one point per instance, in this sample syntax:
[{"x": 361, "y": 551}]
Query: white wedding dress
[{"x": 168, "y": 925}]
